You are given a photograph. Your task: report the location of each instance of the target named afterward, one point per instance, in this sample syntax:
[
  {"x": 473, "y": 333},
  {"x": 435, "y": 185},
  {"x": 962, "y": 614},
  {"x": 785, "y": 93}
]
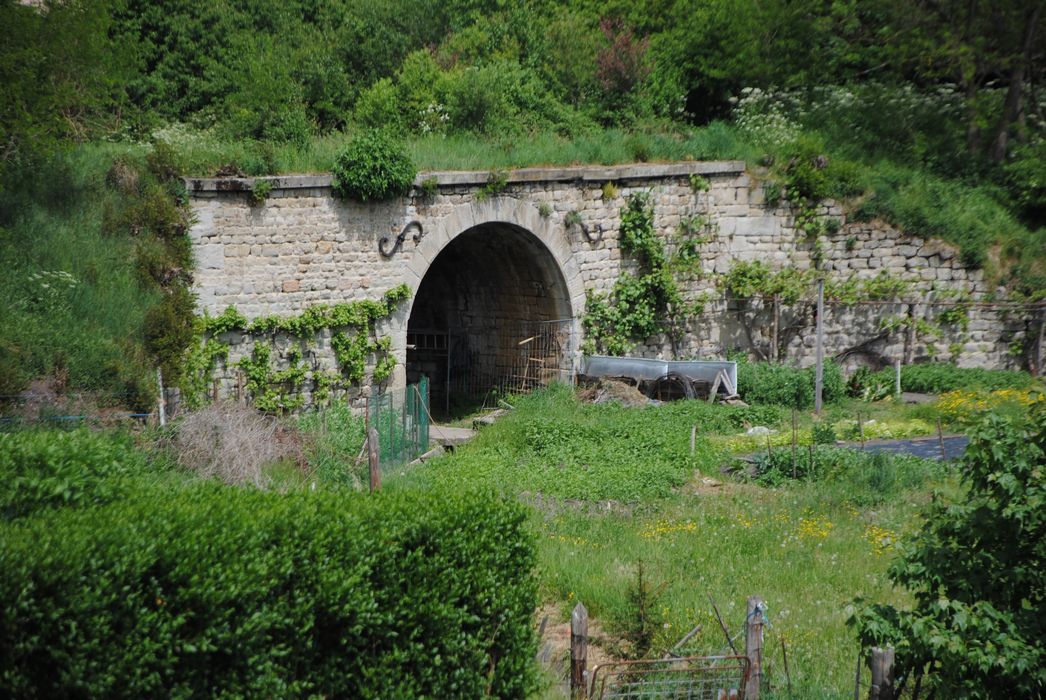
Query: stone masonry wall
[{"x": 303, "y": 247}]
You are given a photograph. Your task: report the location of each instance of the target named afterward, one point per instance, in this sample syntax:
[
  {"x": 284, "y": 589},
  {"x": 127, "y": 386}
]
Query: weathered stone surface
[{"x": 304, "y": 247}]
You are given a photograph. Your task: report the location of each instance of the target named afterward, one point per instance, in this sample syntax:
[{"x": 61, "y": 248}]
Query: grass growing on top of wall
[{"x": 909, "y": 196}]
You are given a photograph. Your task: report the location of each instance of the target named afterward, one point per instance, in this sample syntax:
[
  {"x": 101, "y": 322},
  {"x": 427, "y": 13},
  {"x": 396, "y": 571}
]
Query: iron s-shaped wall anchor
[
  {"x": 384, "y": 242},
  {"x": 592, "y": 237}
]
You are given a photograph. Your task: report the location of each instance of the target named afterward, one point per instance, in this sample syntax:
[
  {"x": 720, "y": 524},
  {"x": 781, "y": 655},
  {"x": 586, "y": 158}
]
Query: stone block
[{"x": 210, "y": 257}]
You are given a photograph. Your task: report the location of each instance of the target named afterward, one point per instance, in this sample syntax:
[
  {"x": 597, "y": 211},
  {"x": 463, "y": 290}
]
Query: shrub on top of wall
[
  {"x": 227, "y": 592},
  {"x": 373, "y": 168}
]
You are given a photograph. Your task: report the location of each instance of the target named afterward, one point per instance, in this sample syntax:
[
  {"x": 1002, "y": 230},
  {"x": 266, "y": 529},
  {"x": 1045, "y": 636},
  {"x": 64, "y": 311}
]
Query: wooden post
[
  {"x": 1036, "y": 364},
  {"x": 239, "y": 387},
  {"x": 693, "y": 439},
  {"x": 784, "y": 655},
  {"x": 754, "y": 647},
  {"x": 795, "y": 441},
  {"x": 819, "y": 380},
  {"x": 909, "y": 336},
  {"x": 940, "y": 438},
  {"x": 578, "y": 652},
  {"x": 162, "y": 406},
  {"x": 882, "y": 674},
  {"x": 373, "y": 454},
  {"x": 215, "y": 388},
  {"x": 860, "y": 429},
  {"x": 774, "y": 328},
  {"x": 897, "y": 379},
  {"x": 857, "y": 680}
]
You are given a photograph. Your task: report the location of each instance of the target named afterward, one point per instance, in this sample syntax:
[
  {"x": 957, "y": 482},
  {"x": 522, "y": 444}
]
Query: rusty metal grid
[{"x": 689, "y": 678}]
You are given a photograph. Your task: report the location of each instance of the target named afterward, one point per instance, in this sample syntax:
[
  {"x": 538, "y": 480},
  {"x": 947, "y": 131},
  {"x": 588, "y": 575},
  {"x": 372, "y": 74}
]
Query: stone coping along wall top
[{"x": 586, "y": 173}]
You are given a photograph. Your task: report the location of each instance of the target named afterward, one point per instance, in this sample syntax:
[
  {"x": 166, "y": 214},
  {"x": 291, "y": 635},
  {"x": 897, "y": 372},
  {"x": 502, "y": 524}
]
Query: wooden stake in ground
[
  {"x": 857, "y": 680},
  {"x": 795, "y": 441},
  {"x": 882, "y": 674},
  {"x": 375, "y": 471},
  {"x": 162, "y": 405},
  {"x": 754, "y": 647},
  {"x": 693, "y": 438},
  {"x": 860, "y": 429},
  {"x": 897, "y": 379},
  {"x": 819, "y": 377},
  {"x": 722, "y": 625},
  {"x": 578, "y": 652},
  {"x": 940, "y": 438},
  {"x": 784, "y": 655}
]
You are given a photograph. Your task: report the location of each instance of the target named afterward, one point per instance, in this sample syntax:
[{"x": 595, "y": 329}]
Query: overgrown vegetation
[
  {"x": 937, "y": 378},
  {"x": 781, "y": 385},
  {"x": 975, "y": 574},
  {"x": 611, "y": 487},
  {"x": 98, "y": 293},
  {"x": 646, "y": 303},
  {"x": 353, "y": 339}
]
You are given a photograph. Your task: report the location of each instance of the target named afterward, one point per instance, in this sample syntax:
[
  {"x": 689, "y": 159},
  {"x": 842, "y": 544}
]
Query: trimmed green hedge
[
  {"x": 781, "y": 385},
  {"x": 220, "y": 592},
  {"x": 45, "y": 469}
]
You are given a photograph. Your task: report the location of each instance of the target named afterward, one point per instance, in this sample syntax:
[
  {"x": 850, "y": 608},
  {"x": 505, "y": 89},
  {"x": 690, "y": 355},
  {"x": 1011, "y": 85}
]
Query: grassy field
[{"x": 615, "y": 488}]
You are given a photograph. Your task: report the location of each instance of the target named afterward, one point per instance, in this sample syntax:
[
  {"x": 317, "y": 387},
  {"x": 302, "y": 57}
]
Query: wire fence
[
  {"x": 692, "y": 678},
  {"x": 401, "y": 419},
  {"x": 866, "y": 332}
]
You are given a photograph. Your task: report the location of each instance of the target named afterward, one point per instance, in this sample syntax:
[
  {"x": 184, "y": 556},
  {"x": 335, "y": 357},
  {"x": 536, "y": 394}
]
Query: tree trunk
[{"x": 1011, "y": 109}]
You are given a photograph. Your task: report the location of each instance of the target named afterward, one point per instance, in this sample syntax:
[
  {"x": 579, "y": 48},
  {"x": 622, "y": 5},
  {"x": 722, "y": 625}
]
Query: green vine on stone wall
[
  {"x": 644, "y": 304},
  {"x": 352, "y": 340}
]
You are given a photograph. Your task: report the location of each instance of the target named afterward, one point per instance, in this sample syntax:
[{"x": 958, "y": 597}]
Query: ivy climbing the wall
[
  {"x": 353, "y": 340},
  {"x": 650, "y": 301}
]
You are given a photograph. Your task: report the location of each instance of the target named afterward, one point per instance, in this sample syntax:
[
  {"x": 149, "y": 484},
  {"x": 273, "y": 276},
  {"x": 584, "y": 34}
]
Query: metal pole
[{"x": 819, "y": 382}]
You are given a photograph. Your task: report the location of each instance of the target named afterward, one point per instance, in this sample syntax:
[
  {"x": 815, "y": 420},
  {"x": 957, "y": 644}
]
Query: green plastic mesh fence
[{"x": 402, "y": 420}]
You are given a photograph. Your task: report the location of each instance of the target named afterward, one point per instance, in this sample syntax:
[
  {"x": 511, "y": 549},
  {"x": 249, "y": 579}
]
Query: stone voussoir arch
[{"x": 513, "y": 211}]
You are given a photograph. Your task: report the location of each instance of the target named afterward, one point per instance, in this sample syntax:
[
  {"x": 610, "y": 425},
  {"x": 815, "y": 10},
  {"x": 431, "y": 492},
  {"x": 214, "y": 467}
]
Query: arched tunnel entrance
[{"x": 492, "y": 314}]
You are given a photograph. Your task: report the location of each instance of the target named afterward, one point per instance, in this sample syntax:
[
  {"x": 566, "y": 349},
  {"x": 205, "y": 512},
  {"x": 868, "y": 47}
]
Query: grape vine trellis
[
  {"x": 353, "y": 340},
  {"x": 644, "y": 304}
]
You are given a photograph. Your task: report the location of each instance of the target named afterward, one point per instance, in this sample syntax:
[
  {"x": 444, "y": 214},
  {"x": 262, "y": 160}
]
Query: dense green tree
[
  {"x": 59, "y": 76},
  {"x": 976, "y": 572}
]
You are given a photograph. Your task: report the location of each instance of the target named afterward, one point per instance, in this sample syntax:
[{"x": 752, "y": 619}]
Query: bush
[
  {"x": 333, "y": 437},
  {"x": 45, "y": 469},
  {"x": 373, "y": 168},
  {"x": 216, "y": 592},
  {"x": 937, "y": 378},
  {"x": 975, "y": 573},
  {"x": 780, "y": 385},
  {"x": 862, "y": 478},
  {"x": 232, "y": 443}
]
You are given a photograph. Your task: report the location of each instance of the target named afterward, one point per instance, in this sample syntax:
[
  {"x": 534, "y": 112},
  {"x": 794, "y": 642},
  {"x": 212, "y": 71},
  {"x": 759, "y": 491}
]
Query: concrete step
[{"x": 448, "y": 436}]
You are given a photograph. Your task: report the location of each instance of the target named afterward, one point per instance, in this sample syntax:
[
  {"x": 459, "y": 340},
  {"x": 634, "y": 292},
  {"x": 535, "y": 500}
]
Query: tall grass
[
  {"x": 203, "y": 152},
  {"x": 82, "y": 327}
]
